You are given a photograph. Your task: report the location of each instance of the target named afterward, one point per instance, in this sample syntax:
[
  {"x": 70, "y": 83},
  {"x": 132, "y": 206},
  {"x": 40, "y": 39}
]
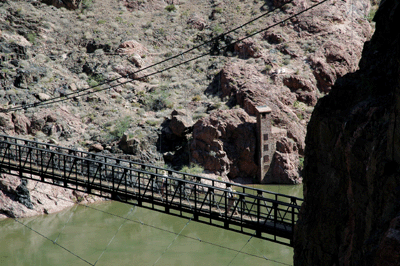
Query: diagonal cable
[
  {"x": 114, "y": 235},
  {"x": 241, "y": 249},
  {"x": 33, "y": 230},
  {"x": 70, "y": 216},
  {"x": 172, "y": 241}
]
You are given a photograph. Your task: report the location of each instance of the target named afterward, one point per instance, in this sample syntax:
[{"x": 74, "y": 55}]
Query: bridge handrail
[{"x": 197, "y": 177}]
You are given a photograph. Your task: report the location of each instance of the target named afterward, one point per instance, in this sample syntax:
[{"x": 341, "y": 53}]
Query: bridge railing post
[
  {"x": 152, "y": 180},
  {"x": 293, "y": 202},
  {"x": 275, "y": 206},
  {"x": 168, "y": 184},
  {"x": 195, "y": 200},
  {"x": 258, "y": 230},
  {"x": 19, "y": 156}
]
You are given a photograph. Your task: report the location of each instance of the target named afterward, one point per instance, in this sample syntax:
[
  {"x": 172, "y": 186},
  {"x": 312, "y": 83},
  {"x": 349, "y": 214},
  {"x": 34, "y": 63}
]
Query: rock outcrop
[
  {"x": 352, "y": 161},
  {"x": 22, "y": 198},
  {"x": 225, "y": 143},
  {"x": 285, "y": 163}
]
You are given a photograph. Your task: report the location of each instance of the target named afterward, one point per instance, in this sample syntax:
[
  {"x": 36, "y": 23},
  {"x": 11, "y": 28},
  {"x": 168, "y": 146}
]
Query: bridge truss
[{"x": 264, "y": 214}]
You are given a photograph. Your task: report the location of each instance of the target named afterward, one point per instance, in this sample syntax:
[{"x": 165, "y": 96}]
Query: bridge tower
[{"x": 265, "y": 142}]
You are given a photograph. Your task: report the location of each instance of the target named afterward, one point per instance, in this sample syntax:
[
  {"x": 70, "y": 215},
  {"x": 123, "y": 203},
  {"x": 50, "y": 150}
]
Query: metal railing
[{"x": 269, "y": 215}]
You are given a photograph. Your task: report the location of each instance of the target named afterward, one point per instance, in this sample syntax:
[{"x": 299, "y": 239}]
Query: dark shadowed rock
[
  {"x": 352, "y": 158},
  {"x": 129, "y": 145},
  {"x": 181, "y": 123},
  {"x": 23, "y": 194},
  {"x": 69, "y": 4}
]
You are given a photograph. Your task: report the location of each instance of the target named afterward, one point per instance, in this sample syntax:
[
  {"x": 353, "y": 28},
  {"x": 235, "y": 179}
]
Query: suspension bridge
[{"x": 250, "y": 211}]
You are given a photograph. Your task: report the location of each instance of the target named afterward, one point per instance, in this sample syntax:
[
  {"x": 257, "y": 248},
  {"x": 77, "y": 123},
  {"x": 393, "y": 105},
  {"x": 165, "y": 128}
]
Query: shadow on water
[{"x": 141, "y": 240}]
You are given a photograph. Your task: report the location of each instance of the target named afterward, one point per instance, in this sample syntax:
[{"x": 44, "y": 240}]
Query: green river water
[{"x": 99, "y": 238}]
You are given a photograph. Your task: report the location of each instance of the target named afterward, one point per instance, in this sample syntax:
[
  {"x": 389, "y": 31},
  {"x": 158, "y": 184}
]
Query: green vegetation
[
  {"x": 86, "y": 4},
  {"x": 101, "y": 21},
  {"x": 196, "y": 98},
  {"x": 121, "y": 126},
  {"x": 31, "y": 37},
  {"x": 218, "y": 29},
  {"x": 300, "y": 116},
  {"x": 170, "y": 8},
  {"x": 218, "y": 10},
  {"x": 372, "y": 13},
  {"x": 301, "y": 163},
  {"x": 151, "y": 123},
  {"x": 193, "y": 169},
  {"x": 267, "y": 68},
  {"x": 286, "y": 61},
  {"x": 157, "y": 102}
]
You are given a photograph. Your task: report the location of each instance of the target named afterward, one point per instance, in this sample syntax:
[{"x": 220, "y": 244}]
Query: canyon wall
[{"x": 351, "y": 214}]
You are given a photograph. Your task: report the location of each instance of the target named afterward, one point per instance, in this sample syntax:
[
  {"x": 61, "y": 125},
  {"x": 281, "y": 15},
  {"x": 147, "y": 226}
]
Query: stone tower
[{"x": 265, "y": 142}]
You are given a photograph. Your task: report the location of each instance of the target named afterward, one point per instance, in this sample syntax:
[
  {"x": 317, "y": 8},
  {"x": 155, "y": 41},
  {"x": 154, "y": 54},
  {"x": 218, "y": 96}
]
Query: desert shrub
[
  {"x": 158, "y": 102},
  {"x": 218, "y": 29},
  {"x": 218, "y": 10},
  {"x": 196, "y": 98},
  {"x": 267, "y": 68},
  {"x": 31, "y": 37},
  {"x": 151, "y": 123},
  {"x": 301, "y": 163},
  {"x": 193, "y": 169},
  {"x": 170, "y": 8},
  {"x": 86, "y": 4},
  {"x": 121, "y": 126},
  {"x": 286, "y": 61}
]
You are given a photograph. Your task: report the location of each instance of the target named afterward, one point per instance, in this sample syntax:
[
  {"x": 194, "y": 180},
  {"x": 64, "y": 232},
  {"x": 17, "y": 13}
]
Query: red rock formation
[
  {"x": 224, "y": 143},
  {"x": 247, "y": 48}
]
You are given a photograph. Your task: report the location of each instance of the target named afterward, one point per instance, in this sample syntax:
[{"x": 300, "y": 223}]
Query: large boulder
[
  {"x": 132, "y": 47},
  {"x": 225, "y": 143},
  {"x": 285, "y": 163},
  {"x": 181, "y": 123},
  {"x": 248, "y": 48},
  {"x": 129, "y": 145},
  {"x": 22, "y": 124}
]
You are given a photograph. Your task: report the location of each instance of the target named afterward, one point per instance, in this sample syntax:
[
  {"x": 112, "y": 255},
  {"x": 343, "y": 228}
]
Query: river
[{"x": 92, "y": 236}]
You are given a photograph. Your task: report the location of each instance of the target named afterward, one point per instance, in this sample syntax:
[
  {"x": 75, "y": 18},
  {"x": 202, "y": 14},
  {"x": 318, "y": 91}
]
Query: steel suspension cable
[
  {"x": 70, "y": 216},
  {"x": 170, "y": 244},
  {"x": 69, "y": 251},
  {"x": 241, "y": 248},
  {"x": 76, "y": 94},
  {"x": 114, "y": 235}
]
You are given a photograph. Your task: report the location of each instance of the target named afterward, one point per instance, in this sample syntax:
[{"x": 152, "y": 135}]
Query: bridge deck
[{"x": 269, "y": 215}]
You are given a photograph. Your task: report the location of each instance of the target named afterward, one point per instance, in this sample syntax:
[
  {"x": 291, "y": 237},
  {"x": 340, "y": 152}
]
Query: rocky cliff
[
  {"x": 52, "y": 48},
  {"x": 351, "y": 214}
]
